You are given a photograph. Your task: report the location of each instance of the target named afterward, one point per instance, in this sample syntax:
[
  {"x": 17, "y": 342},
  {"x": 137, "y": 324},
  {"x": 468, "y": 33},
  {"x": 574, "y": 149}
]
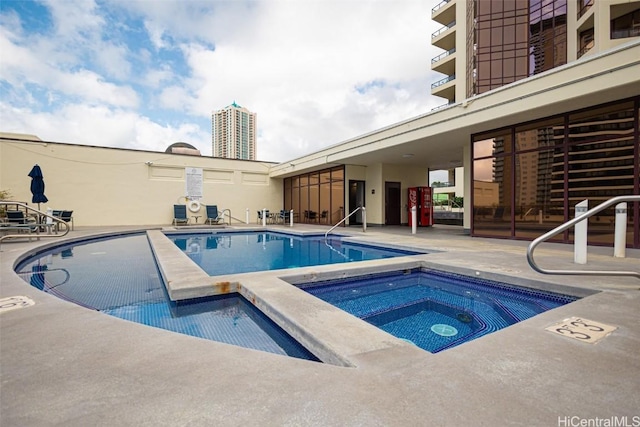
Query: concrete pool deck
[{"x": 61, "y": 364}]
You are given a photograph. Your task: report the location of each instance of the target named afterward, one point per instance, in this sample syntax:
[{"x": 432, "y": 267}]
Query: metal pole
[
  {"x": 246, "y": 216},
  {"x": 364, "y": 220},
  {"x": 580, "y": 234},
  {"x": 264, "y": 217},
  {"x": 291, "y": 218},
  {"x": 620, "y": 236},
  {"x": 414, "y": 219}
]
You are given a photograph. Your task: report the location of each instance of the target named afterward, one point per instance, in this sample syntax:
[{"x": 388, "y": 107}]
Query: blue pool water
[
  {"x": 119, "y": 276},
  {"x": 244, "y": 252},
  {"x": 435, "y": 310}
]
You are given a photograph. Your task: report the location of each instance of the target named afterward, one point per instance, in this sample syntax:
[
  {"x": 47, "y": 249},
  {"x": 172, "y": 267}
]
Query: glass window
[
  {"x": 311, "y": 194},
  {"x": 314, "y": 179},
  {"x": 287, "y": 194},
  {"x": 627, "y": 25},
  {"x": 542, "y": 134},
  {"x": 314, "y": 203},
  {"x": 537, "y": 188},
  {"x": 492, "y": 197},
  {"x": 295, "y": 201},
  {"x": 325, "y": 197},
  {"x": 535, "y": 210},
  {"x": 611, "y": 122},
  {"x": 337, "y": 174}
]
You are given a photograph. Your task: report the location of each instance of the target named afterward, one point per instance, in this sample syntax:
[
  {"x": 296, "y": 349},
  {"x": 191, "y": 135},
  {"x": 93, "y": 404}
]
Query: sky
[{"x": 145, "y": 74}]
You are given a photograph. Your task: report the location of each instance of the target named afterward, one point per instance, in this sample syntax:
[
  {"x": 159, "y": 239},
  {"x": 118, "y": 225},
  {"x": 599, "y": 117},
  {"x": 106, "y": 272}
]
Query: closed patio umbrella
[{"x": 37, "y": 186}]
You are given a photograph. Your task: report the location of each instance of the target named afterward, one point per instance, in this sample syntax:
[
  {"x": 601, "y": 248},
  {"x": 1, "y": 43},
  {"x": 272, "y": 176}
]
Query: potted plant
[{"x": 4, "y": 195}]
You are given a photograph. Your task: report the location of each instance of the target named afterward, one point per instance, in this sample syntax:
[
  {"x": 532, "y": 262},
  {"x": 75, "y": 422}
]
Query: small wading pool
[
  {"x": 435, "y": 310},
  {"x": 119, "y": 276},
  {"x": 244, "y": 252}
]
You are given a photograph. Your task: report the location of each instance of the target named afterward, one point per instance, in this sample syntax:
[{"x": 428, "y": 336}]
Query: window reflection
[
  {"x": 512, "y": 40},
  {"x": 553, "y": 167}
]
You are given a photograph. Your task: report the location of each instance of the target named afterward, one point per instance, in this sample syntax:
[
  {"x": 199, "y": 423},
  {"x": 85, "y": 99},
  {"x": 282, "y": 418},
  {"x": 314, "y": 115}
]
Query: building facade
[
  {"x": 540, "y": 169},
  {"x": 489, "y": 44},
  {"x": 233, "y": 131}
]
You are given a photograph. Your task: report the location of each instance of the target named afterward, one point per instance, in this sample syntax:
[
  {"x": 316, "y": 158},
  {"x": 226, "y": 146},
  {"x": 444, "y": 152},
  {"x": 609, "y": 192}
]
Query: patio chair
[
  {"x": 310, "y": 216},
  {"x": 213, "y": 217},
  {"x": 324, "y": 216},
  {"x": 283, "y": 216},
  {"x": 67, "y": 216},
  {"x": 180, "y": 214}
]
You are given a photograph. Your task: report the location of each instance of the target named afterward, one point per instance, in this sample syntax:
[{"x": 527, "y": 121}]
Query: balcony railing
[
  {"x": 443, "y": 81},
  {"x": 439, "y": 5},
  {"x": 586, "y": 5},
  {"x": 443, "y": 55},
  {"x": 443, "y": 29}
]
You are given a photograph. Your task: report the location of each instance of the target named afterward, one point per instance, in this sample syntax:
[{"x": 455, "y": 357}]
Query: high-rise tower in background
[
  {"x": 489, "y": 44},
  {"x": 233, "y": 131}
]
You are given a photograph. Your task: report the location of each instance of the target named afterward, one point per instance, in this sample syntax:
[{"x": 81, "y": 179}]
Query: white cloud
[
  {"x": 316, "y": 72},
  {"x": 100, "y": 126}
]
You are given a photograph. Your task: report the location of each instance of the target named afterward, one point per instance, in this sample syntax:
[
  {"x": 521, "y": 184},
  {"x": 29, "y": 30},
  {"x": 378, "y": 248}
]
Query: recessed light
[{"x": 407, "y": 156}]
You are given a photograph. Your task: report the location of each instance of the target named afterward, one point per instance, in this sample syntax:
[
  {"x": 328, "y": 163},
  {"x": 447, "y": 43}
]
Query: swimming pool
[
  {"x": 118, "y": 276},
  {"x": 243, "y": 252},
  {"x": 432, "y": 309}
]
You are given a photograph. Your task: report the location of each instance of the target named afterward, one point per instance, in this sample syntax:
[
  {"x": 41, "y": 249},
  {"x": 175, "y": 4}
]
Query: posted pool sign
[{"x": 193, "y": 183}]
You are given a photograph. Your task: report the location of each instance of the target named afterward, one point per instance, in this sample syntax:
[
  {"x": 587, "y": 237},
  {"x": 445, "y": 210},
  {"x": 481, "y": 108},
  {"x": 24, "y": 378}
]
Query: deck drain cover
[
  {"x": 444, "y": 330},
  {"x": 13, "y": 303}
]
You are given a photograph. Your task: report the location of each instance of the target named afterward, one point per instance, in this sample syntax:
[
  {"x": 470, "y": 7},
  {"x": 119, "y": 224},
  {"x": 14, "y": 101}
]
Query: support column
[{"x": 620, "y": 236}]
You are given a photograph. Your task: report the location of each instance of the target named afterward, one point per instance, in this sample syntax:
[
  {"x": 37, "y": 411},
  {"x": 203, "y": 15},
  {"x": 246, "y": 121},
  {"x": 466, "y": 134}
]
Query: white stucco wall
[{"x": 107, "y": 186}]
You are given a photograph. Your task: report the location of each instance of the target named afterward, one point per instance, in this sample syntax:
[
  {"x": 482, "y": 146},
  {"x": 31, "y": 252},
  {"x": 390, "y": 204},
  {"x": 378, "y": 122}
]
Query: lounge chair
[
  {"x": 180, "y": 214},
  {"x": 17, "y": 221},
  {"x": 213, "y": 217}
]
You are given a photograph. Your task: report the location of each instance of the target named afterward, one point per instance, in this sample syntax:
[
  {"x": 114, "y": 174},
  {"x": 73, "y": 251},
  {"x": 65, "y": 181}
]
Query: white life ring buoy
[{"x": 194, "y": 206}]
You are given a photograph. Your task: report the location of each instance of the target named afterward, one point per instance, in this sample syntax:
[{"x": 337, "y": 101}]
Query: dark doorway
[
  {"x": 356, "y": 198},
  {"x": 392, "y": 203}
]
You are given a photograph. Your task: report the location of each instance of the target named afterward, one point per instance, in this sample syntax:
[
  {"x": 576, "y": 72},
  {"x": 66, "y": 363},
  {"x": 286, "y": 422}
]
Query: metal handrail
[
  {"x": 443, "y": 29},
  {"x": 439, "y": 5},
  {"x": 37, "y": 225},
  {"x": 364, "y": 220},
  {"x": 443, "y": 81},
  {"x": 68, "y": 276},
  {"x": 443, "y": 55},
  {"x": 570, "y": 224},
  {"x": 228, "y": 210}
]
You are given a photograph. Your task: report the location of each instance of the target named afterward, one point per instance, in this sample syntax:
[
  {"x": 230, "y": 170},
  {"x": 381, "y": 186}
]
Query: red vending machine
[{"x": 422, "y": 198}]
